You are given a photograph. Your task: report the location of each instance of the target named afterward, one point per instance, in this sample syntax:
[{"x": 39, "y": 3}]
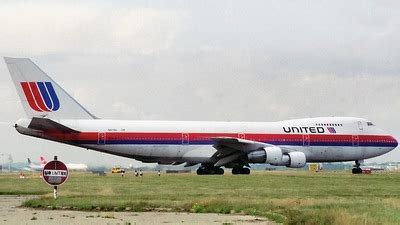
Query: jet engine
[
  {"x": 274, "y": 156},
  {"x": 296, "y": 160},
  {"x": 271, "y": 154}
]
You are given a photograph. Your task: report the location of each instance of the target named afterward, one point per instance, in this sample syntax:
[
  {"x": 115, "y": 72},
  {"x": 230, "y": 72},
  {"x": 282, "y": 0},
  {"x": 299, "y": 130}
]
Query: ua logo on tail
[{"x": 41, "y": 96}]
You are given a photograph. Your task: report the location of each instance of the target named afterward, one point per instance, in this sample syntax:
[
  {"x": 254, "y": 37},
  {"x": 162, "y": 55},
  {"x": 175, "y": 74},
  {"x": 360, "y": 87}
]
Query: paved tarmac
[{"x": 11, "y": 213}]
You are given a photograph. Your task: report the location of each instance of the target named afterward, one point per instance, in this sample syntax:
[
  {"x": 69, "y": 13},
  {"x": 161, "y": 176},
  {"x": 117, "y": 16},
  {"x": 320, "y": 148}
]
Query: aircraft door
[
  {"x": 306, "y": 140},
  {"x": 101, "y": 140},
  {"x": 185, "y": 138},
  {"x": 360, "y": 125},
  {"x": 355, "y": 140}
]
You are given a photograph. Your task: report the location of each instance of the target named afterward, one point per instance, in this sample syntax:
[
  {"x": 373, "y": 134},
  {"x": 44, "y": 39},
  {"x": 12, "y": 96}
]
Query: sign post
[{"x": 55, "y": 173}]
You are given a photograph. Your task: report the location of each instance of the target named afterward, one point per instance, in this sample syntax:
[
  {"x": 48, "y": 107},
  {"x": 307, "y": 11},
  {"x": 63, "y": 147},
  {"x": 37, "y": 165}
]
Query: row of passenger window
[{"x": 329, "y": 124}]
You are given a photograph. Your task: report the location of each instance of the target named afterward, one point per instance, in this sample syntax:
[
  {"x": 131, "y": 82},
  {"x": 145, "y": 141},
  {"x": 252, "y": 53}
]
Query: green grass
[{"x": 290, "y": 197}]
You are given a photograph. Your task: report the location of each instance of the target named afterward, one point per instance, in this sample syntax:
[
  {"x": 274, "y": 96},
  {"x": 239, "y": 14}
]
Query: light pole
[{"x": 10, "y": 160}]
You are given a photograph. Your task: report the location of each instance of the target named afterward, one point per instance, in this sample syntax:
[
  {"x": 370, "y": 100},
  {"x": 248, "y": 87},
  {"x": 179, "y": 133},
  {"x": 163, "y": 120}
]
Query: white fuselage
[{"x": 325, "y": 139}]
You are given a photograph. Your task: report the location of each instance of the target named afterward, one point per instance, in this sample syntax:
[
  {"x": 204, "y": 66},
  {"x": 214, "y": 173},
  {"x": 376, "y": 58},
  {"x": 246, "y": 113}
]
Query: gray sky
[{"x": 205, "y": 60}]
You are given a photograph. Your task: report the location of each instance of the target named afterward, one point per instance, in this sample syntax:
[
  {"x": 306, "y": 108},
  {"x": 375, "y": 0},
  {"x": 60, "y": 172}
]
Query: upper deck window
[
  {"x": 329, "y": 124},
  {"x": 370, "y": 124}
]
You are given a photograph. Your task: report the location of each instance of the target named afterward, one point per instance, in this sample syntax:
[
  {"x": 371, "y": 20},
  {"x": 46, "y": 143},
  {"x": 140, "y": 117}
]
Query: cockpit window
[{"x": 370, "y": 124}]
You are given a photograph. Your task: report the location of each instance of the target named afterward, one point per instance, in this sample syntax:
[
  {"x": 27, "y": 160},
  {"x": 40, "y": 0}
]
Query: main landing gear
[
  {"x": 240, "y": 170},
  {"x": 356, "y": 168},
  {"x": 209, "y": 170}
]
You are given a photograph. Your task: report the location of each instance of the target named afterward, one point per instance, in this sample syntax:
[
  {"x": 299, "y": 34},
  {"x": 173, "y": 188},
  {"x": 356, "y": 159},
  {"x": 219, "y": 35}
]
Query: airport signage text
[{"x": 55, "y": 173}]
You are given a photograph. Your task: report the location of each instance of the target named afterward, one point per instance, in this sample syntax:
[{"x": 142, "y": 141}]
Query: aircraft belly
[
  {"x": 156, "y": 151},
  {"x": 167, "y": 151},
  {"x": 140, "y": 150},
  {"x": 203, "y": 154},
  {"x": 336, "y": 154},
  {"x": 326, "y": 153},
  {"x": 198, "y": 154}
]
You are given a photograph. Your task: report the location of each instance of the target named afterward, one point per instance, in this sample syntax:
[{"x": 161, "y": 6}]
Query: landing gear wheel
[
  {"x": 200, "y": 171},
  {"x": 246, "y": 171},
  {"x": 207, "y": 170},
  {"x": 240, "y": 170},
  {"x": 356, "y": 169},
  {"x": 236, "y": 170}
]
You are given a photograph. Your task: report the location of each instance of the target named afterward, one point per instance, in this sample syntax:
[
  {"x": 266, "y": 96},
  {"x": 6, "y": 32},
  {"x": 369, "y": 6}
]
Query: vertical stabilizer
[
  {"x": 40, "y": 95},
  {"x": 42, "y": 161}
]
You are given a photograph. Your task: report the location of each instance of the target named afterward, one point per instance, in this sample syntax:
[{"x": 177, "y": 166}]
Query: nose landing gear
[{"x": 356, "y": 168}]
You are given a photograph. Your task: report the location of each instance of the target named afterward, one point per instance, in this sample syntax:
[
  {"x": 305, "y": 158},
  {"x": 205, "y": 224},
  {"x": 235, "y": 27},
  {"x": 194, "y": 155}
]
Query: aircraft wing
[{"x": 230, "y": 149}]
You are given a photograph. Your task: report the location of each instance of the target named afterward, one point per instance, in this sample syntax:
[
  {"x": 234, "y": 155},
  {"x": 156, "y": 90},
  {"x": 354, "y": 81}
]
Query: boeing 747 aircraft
[{"x": 54, "y": 115}]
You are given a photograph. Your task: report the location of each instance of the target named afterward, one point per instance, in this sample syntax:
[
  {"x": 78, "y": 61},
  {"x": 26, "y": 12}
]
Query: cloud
[
  {"x": 51, "y": 27},
  {"x": 263, "y": 61}
]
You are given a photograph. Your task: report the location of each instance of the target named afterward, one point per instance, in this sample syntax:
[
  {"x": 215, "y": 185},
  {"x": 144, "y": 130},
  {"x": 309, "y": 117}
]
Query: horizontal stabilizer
[{"x": 49, "y": 125}]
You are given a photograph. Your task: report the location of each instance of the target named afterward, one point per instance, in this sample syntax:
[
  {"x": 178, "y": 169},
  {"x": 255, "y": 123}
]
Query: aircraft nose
[{"x": 395, "y": 142}]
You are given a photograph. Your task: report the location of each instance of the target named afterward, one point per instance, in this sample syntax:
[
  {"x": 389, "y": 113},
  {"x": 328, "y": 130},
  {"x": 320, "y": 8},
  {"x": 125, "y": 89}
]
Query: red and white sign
[{"x": 55, "y": 173}]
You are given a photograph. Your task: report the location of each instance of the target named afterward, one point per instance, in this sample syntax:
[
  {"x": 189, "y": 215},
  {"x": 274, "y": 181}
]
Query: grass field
[{"x": 290, "y": 197}]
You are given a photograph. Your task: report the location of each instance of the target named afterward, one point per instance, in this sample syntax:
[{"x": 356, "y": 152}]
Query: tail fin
[
  {"x": 29, "y": 161},
  {"x": 40, "y": 95},
  {"x": 42, "y": 160}
]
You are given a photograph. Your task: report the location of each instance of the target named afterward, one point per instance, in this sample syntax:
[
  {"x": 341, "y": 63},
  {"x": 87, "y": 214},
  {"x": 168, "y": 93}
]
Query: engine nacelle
[
  {"x": 296, "y": 159},
  {"x": 271, "y": 155}
]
